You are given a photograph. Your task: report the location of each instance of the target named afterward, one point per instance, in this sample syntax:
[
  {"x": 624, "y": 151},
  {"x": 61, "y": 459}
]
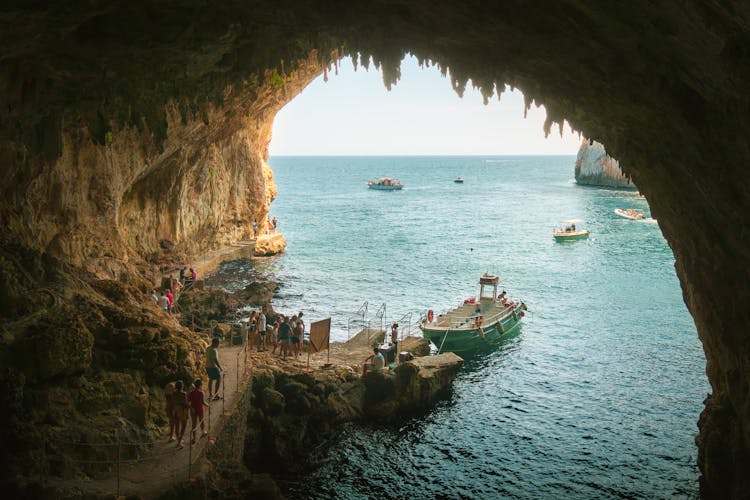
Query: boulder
[
  {"x": 270, "y": 244},
  {"x": 410, "y": 387}
]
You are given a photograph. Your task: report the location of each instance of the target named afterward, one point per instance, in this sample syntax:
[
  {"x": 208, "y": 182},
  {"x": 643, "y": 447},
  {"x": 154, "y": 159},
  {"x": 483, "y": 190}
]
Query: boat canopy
[{"x": 489, "y": 283}]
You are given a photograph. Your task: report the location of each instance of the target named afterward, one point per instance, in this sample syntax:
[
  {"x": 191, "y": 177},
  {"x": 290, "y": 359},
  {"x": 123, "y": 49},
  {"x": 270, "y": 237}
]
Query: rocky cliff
[
  {"x": 86, "y": 236},
  {"x": 594, "y": 167}
]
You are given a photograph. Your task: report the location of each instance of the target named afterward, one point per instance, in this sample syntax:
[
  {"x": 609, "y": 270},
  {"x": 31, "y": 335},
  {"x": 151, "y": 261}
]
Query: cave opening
[{"x": 348, "y": 245}]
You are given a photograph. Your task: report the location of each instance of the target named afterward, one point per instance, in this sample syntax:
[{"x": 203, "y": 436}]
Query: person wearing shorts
[
  {"x": 262, "y": 331},
  {"x": 197, "y": 404},
  {"x": 213, "y": 369},
  {"x": 296, "y": 336},
  {"x": 285, "y": 333},
  {"x": 180, "y": 411}
]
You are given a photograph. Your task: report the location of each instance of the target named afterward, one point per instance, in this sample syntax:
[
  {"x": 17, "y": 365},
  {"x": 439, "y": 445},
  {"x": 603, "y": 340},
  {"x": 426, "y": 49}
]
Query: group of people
[
  {"x": 180, "y": 404},
  {"x": 267, "y": 329},
  {"x": 271, "y": 225},
  {"x": 187, "y": 276},
  {"x": 166, "y": 298}
]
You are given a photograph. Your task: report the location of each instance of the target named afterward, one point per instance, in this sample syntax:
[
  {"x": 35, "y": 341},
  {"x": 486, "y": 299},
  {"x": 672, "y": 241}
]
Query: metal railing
[
  {"x": 404, "y": 326},
  {"x": 357, "y": 322},
  {"x": 377, "y": 322}
]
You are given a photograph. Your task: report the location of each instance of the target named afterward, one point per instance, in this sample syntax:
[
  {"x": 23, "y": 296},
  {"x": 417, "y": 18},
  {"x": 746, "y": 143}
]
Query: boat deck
[{"x": 462, "y": 317}]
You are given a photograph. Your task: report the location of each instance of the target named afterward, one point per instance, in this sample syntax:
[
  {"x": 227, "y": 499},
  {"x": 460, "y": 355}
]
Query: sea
[{"x": 596, "y": 396}]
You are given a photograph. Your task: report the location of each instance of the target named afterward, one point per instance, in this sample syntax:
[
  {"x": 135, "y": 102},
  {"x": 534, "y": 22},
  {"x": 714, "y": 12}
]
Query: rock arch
[{"x": 100, "y": 106}]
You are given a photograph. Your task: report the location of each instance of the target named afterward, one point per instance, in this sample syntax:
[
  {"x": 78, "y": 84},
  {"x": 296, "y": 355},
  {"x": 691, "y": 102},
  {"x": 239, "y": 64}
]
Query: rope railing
[{"x": 116, "y": 449}]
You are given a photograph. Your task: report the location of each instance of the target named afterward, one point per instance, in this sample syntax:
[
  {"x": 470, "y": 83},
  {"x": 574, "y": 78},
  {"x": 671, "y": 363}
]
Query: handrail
[{"x": 362, "y": 311}]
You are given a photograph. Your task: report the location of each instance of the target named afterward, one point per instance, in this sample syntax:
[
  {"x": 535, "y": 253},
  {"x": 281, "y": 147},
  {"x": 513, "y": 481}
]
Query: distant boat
[
  {"x": 630, "y": 213},
  {"x": 477, "y": 323},
  {"x": 569, "y": 233},
  {"x": 385, "y": 184},
  {"x": 459, "y": 180}
]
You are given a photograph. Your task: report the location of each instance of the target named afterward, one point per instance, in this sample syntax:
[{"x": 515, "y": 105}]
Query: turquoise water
[{"x": 599, "y": 394}]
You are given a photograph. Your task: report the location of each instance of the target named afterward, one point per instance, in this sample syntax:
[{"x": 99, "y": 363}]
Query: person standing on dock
[
  {"x": 213, "y": 369},
  {"x": 296, "y": 336},
  {"x": 255, "y": 228},
  {"x": 285, "y": 333},
  {"x": 262, "y": 330}
]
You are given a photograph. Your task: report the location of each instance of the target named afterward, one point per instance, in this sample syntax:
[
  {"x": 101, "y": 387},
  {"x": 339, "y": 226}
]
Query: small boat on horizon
[
  {"x": 458, "y": 180},
  {"x": 477, "y": 323},
  {"x": 630, "y": 213},
  {"x": 385, "y": 184},
  {"x": 569, "y": 233}
]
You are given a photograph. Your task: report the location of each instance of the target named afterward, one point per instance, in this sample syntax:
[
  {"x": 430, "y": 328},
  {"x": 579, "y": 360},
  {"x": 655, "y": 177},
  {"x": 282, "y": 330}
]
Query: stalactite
[{"x": 526, "y": 105}]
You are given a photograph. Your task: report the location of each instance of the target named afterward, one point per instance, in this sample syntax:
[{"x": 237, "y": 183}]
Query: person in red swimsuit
[{"x": 197, "y": 404}]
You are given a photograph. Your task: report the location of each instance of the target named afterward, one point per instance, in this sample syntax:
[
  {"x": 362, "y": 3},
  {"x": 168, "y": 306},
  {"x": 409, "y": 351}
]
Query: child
[
  {"x": 168, "y": 393},
  {"x": 197, "y": 404},
  {"x": 180, "y": 402}
]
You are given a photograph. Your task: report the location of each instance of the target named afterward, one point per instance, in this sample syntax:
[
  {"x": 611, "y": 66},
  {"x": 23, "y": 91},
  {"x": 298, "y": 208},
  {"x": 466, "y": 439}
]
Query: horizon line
[{"x": 421, "y": 155}]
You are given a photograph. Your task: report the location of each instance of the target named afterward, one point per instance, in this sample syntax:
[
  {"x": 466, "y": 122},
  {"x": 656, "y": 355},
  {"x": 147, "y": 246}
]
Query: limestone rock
[
  {"x": 270, "y": 244},
  {"x": 411, "y": 387},
  {"x": 594, "y": 167}
]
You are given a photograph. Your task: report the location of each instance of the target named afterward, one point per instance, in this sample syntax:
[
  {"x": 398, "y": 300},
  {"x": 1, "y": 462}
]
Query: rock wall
[
  {"x": 87, "y": 231},
  {"x": 594, "y": 167},
  {"x": 292, "y": 409}
]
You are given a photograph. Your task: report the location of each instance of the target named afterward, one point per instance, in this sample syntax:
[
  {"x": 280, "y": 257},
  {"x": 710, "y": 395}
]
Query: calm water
[{"x": 598, "y": 396}]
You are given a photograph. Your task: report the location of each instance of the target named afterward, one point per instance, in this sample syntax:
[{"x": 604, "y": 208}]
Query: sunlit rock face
[
  {"x": 594, "y": 167},
  {"x": 132, "y": 133}
]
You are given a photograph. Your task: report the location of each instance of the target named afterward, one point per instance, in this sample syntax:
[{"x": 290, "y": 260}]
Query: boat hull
[
  {"x": 580, "y": 235},
  {"x": 623, "y": 213},
  {"x": 380, "y": 187},
  {"x": 475, "y": 339}
]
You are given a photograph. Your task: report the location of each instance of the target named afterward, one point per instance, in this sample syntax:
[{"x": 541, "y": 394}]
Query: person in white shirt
[{"x": 374, "y": 362}]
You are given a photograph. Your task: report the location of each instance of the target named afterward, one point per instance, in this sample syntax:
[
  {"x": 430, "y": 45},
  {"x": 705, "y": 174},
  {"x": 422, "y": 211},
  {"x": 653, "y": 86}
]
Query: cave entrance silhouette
[{"x": 338, "y": 136}]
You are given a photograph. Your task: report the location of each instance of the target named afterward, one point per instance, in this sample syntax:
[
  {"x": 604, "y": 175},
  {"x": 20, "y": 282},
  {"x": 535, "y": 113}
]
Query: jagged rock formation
[
  {"x": 270, "y": 244},
  {"x": 132, "y": 132},
  {"x": 594, "y": 167},
  {"x": 287, "y": 409}
]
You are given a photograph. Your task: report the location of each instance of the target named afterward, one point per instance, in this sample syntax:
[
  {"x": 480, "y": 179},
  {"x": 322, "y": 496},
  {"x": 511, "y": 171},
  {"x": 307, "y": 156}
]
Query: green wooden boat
[{"x": 477, "y": 324}]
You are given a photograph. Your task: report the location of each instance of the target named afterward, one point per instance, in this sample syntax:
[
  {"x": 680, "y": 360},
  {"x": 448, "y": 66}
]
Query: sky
[{"x": 354, "y": 114}]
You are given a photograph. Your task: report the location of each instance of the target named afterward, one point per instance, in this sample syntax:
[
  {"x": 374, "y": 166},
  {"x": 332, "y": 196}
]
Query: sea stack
[{"x": 594, "y": 167}]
